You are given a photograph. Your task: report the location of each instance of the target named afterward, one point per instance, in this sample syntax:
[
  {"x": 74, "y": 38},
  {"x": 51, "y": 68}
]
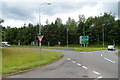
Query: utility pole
[
  {"x": 103, "y": 36},
  {"x": 67, "y": 37},
  {"x": 84, "y": 34}
]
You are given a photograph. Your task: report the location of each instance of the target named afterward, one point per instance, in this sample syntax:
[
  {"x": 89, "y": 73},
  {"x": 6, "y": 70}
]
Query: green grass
[
  {"x": 119, "y": 53},
  {"x": 17, "y": 59},
  {"x": 25, "y": 46},
  {"x": 71, "y": 47},
  {"x": 77, "y": 49},
  {"x": 0, "y": 61}
]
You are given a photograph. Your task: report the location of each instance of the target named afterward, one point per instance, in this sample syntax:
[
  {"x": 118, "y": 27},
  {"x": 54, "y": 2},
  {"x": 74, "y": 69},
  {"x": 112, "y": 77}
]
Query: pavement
[{"x": 95, "y": 64}]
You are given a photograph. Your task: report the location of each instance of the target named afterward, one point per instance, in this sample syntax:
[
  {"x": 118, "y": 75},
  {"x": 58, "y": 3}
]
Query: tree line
[{"x": 55, "y": 32}]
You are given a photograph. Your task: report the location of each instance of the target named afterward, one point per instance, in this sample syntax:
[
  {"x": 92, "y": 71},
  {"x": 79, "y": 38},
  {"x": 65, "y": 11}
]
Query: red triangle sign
[{"x": 40, "y": 37}]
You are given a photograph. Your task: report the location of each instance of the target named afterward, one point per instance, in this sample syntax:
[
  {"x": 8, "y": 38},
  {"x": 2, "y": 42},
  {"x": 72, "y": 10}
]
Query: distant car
[
  {"x": 5, "y": 44},
  {"x": 111, "y": 47}
]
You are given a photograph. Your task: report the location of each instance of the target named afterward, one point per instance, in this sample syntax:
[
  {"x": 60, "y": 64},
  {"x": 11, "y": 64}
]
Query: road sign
[
  {"x": 84, "y": 39},
  {"x": 40, "y": 37}
]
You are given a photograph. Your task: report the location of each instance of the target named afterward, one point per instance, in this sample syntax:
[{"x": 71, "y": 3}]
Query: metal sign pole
[
  {"x": 84, "y": 45},
  {"x": 40, "y": 50},
  {"x": 40, "y": 37}
]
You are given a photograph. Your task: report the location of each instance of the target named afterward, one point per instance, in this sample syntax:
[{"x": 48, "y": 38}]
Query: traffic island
[{"x": 19, "y": 60}]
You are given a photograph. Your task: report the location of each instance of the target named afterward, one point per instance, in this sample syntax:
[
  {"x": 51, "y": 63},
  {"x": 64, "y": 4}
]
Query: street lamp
[
  {"x": 103, "y": 34},
  {"x": 67, "y": 37},
  {"x": 40, "y": 17},
  {"x": 40, "y": 25}
]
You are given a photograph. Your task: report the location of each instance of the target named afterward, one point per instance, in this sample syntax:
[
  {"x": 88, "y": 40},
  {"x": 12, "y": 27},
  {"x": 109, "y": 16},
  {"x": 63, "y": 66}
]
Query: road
[{"x": 96, "y": 64}]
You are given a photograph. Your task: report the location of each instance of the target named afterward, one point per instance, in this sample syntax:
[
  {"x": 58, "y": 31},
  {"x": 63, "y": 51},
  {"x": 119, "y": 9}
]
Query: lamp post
[
  {"x": 40, "y": 16},
  {"x": 40, "y": 25},
  {"x": 67, "y": 37},
  {"x": 103, "y": 34},
  {"x": 84, "y": 33}
]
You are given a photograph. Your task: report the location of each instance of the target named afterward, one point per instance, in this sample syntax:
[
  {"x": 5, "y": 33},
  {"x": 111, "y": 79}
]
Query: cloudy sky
[{"x": 17, "y": 13}]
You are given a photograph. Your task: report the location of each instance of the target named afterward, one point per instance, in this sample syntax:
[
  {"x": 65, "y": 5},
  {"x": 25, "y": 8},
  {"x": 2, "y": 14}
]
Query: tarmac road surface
[{"x": 95, "y": 64}]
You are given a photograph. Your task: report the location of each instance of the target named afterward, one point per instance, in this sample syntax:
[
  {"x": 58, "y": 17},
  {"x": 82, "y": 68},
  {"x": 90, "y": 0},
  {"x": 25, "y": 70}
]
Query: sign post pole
[
  {"x": 40, "y": 49},
  {"x": 40, "y": 37},
  {"x": 84, "y": 45}
]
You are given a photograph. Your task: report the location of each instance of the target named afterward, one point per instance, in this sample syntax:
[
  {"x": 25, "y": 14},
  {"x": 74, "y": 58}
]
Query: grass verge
[
  {"x": 17, "y": 59},
  {"x": 0, "y": 62},
  {"x": 71, "y": 48},
  {"x": 77, "y": 49}
]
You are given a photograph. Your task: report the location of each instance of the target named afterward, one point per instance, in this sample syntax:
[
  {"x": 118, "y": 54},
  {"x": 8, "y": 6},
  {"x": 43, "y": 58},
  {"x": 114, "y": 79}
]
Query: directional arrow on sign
[{"x": 40, "y": 37}]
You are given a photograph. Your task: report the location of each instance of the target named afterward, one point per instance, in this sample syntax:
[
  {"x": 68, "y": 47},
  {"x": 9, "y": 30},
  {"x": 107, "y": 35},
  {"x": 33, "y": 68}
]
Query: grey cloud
[
  {"x": 111, "y": 7},
  {"x": 65, "y": 7},
  {"x": 119, "y": 10},
  {"x": 18, "y": 14},
  {"x": 19, "y": 11},
  {"x": 0, "y": 10},
  {"x": 24, "y": 11}
]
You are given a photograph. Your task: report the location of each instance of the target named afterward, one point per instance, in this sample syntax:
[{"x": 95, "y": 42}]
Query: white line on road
[
  {"x": 15, "y": 76},
  {"x": 73, "y": 61},
  {"x": 99, "y": 77},
  {"x": 96, "y": 72},
  {"x": 68, "y": 58},
  {"x": 109, "y": 60},
  {"x": 103, "y": 52},
  {"x": 78, "y": 64},
  {"x": 84, "y": 67}
]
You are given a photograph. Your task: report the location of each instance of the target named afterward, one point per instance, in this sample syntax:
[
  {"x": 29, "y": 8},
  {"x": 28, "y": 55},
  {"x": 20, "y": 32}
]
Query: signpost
[
  {"x": 84, "y": 40},
  {"x": 40, "y": 37}
]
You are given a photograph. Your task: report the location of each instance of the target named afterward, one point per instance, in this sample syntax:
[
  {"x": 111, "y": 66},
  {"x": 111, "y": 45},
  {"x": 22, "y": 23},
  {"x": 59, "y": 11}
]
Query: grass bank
[
  {"x": 0, "y": 62},
  {"x": 71, "y": 47},
  {"x": 77, "y": 49},
  {"x": 17, "y": 59}
]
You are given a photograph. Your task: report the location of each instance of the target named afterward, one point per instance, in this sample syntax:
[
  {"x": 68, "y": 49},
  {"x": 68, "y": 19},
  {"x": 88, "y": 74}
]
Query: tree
[
  {"x": 72, "y": 27},
  {"x": 81, "y": 18},
  {"x": 3, "y": 34},
  {"x": 1, "y": 20},
  {"x": 56, "y": 32},
  {"x": 58, "y": 22},
  {"x": 47, "y": 22}
]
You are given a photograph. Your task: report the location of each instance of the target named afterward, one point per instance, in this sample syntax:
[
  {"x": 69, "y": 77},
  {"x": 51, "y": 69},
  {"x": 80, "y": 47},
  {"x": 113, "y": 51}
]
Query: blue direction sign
[{"x": 84, "y": 39}]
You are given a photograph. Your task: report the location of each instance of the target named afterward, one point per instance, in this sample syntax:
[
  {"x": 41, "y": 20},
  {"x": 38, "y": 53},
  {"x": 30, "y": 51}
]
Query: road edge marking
[
  {"x": 78, "y": 64},
  {"x": 109, "y": 60},
  {"x": 68, "y": 59},
  {"x": 99, "y": 77},
  {"x": 84, "y": 67},
  {"x": 96, "y": 72}
]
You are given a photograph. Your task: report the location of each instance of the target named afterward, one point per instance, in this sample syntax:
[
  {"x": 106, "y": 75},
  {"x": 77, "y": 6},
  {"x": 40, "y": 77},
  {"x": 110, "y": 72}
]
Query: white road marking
[
  {"x": 68, "y": 58},
  {"x": 109, "y": 60},
  {"x": 15, "y": 76},
  {"x": 73, "y": 61},
  {"x": 84, "y": 67},
  {"x": 78, "y": 64},
  {"x": 96, "y": 72},
  {"x": 99, "y": 77}
]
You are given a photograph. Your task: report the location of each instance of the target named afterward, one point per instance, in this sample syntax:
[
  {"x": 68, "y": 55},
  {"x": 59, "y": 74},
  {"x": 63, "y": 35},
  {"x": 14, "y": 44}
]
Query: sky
[{"x": 17, "y": 13}]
